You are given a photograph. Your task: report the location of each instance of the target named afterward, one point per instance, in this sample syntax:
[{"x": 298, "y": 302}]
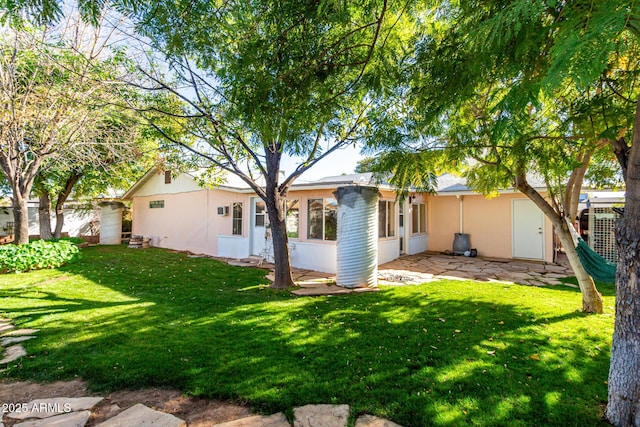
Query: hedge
[{"x": 37, "y": 255}]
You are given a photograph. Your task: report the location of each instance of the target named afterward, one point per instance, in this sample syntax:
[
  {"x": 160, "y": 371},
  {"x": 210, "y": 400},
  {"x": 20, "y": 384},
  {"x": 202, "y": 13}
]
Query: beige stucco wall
[
  {"x": 487, "y": 221},
  {"x": 181, "y": 224},
  {"x": 189, "y": 219}
]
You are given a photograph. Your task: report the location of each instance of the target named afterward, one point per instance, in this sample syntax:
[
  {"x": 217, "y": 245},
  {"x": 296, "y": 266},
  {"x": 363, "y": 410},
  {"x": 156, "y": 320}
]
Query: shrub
[
  {"x": 76, "y": 240},
  {"x": 36, "y": 255}
]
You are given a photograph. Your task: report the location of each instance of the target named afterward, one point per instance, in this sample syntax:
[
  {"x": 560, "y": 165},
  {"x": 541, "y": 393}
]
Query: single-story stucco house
[{"x": 230, "y": 220}]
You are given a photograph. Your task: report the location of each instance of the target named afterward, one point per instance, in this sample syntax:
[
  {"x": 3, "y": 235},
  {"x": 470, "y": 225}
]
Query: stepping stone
[
  {"x": 13, "y": 353},
  {"x": 19, "y": 332},
  {"x": 371, "y": 421},
  {"x": 72, "y": 419},
  {"x": 275, "y": 420},
  {"x": 321, "y": 416},
  {"x": 321, "y": 290},
  {"x": 6, "y": 327},
  {"x": 141, "y": 416},
  {"x": 241, "y": 264},
  {"x": 14, "y": 340},
  {"x": 44, "y": 408}
]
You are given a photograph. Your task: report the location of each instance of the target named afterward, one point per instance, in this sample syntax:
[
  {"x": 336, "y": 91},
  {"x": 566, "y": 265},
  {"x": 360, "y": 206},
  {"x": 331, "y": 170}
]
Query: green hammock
[{"x": 598, "y": 267}]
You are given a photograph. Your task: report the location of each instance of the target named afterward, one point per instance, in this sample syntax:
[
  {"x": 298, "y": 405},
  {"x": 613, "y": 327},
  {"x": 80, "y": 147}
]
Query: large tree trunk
[
  {"x": 62, "y": 198},
  {"x": 20, "y": 218},
  {"x": 574, "y": 187},
  {"x": 591, "y": 298},
  {"x": 59, "y": 221},
  {"x": 623, "y": 408},
  {"x": 44, "y": 215},
  {"x": 275, "y": 210}
]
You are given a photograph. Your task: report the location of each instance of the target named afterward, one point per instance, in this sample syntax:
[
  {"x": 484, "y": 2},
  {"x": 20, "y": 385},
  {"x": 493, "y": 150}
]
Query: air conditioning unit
[{"x": 223, "y": 210}]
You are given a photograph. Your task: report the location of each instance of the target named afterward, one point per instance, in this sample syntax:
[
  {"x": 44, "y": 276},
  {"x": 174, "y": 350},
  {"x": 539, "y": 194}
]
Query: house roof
[
  {"x": 448, "y": 184},
  {"x": 451, "y": 185}
]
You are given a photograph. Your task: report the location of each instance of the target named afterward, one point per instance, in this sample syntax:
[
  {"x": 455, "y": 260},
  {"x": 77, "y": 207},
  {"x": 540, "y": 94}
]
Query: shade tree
[{"x": 290, "y": 78}]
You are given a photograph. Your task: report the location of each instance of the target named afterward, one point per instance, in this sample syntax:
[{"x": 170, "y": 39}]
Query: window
[
  {"x": 292, "y": 217},
  {"x": 156, "y": 204},
  {"x": 237, "y": 220},
  {"x": 167, "y": 177},
  {"x": 418, "y": 218},
  {"x": 260, "y": 215},
  {"x": 386, "y": 219},
  {"x": 322, "y": 219}
]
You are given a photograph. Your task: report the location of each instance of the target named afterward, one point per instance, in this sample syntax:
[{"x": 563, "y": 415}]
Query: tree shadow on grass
[{"x": 421, "y": 355}]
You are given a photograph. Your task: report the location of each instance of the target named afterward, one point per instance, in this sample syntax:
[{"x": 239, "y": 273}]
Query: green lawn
[{"x": 443, "y": 353}]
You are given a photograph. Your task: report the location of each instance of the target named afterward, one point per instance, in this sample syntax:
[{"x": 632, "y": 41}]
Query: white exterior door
[
  {"x": 528, "y": 230},
  {"x": 258, "y": 226}
]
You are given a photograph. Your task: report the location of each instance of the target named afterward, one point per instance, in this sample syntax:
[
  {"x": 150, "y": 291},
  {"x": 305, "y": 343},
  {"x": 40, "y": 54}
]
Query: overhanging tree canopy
[{"x": 261, "y": 80}]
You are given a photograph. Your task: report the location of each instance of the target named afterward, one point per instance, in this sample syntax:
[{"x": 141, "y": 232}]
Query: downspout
[{"x": 461, "y": 198}]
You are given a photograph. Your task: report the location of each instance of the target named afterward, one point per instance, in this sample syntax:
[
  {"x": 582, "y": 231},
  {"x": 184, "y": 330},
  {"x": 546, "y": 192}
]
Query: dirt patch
[{"x": 195, "y": 411}]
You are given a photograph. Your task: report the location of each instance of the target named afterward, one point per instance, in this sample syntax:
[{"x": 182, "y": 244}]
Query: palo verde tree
[{"x": 262, "y": 80}]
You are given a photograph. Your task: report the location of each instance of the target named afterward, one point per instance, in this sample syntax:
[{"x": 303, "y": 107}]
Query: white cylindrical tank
[
  {"x": 111, "y": 223},
  {"x": 357, "y": 245}
]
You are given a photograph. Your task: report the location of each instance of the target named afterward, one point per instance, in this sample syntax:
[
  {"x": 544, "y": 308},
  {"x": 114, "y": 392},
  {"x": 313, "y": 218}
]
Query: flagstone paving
[
  {"x": 76, "y": 412},
  {"x": 371, "y": 421},
  {"x": 10, "y": 350},
  {"x": 426, "y": 267},
  {"x": 142, "y": 416},
  {"x": 275, "y": 420},
  {"x": 71, "y": 419},
  {"x": 321, "y": 416}
]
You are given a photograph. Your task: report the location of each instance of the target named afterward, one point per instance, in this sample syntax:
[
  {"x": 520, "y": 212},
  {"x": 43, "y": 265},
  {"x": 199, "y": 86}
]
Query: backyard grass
[{"x": 442, "y": 353}]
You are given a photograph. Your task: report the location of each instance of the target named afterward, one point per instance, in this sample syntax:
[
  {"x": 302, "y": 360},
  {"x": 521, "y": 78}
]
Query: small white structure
[
  {"x": 111, "y": 223},
  {"x": 80, "y": 219},
  {"x": 357, "y": 244}
]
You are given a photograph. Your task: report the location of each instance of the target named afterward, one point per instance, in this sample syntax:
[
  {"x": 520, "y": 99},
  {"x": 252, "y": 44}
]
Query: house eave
[{"x": 475, "y": 193}]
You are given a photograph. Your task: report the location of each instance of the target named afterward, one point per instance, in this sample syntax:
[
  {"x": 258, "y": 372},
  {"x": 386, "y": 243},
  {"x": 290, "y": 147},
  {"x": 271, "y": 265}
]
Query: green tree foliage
[
  {"x": 261, "y": 80},
  {"x": 524, "y": 88},
  {"x": 543, "y": 87},
  {"x": 62, "y": 110}
]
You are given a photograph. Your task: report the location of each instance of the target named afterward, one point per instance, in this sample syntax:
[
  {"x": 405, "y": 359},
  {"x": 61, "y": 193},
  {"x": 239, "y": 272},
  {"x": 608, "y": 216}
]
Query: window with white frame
[
  {"x": 418, "y": 218},
  {"x": 236, "y": 228},
  {"x": 156, "y": 204},
  {"x": 292, "y": 217},
  {"x": 260, "y": 215},
  {"x": 386, "y": 218},
  {"x": 322, "y": 219}
]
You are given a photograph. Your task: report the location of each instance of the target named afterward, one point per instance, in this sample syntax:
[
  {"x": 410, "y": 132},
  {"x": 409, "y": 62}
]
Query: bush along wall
[{"x": 37, "y": 255}]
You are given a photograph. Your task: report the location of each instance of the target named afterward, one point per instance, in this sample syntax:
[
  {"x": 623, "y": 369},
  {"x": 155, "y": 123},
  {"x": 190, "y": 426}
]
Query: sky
[{"x": 340, "y": 162}]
